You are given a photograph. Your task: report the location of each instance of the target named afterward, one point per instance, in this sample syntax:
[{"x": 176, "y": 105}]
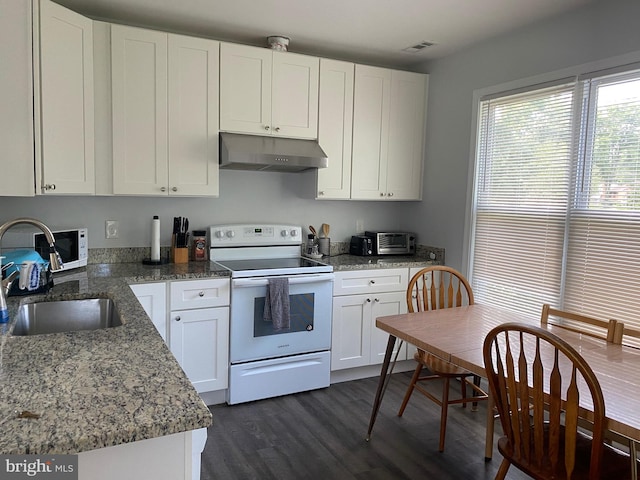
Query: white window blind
[
  {"x": 603, "y": 252},
  {"x": 557, "y": 199}
]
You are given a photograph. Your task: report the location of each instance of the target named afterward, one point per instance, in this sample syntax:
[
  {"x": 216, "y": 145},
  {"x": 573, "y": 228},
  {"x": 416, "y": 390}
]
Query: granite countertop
[
  {"x": 347, "y": 262},
  {"x": 94, "y": 389}
]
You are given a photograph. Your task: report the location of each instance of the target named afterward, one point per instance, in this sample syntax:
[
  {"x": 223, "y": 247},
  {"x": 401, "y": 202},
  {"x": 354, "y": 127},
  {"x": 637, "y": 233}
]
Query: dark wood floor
[{"x": 321, "y": 435}]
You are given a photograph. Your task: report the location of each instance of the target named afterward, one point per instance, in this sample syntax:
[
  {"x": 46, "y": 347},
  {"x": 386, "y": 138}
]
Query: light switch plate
[{"x": 111, "y": 229}]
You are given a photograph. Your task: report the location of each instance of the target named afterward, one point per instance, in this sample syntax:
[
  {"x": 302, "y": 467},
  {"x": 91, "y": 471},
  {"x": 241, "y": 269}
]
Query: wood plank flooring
[{"x": 321, "y": 435}]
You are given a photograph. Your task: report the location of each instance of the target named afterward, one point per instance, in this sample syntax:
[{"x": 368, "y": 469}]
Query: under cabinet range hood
[{"x": 271, "y": 154}]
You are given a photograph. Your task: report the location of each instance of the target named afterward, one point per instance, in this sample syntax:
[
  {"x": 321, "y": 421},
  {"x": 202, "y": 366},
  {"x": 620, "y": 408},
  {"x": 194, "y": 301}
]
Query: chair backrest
[
  {"x": 532, "y": 371},
  {"x": 611, "y": 330},
  {"x": 438, "y": 287}
]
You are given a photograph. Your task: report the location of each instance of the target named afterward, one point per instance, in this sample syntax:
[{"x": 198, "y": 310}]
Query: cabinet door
[
  {"x": 384, "y": 304},
  {"x": 193, "y": 116},
  {"x": 372, "y": 94},
  {"x": 350, "y": 332},
  {"x": 294, "y": 95},
  {"x": 65, "y": 102},
  {"x": 335, "y": 125},
  {"x": 245, "y": 89},
  {"x": 199, "y": 339},
  {"x": 406, "y": 135},
  {"x": 139, "y": 96},
  {"x": 16, "y": 93},
  {"x": 153, "y": 298}
]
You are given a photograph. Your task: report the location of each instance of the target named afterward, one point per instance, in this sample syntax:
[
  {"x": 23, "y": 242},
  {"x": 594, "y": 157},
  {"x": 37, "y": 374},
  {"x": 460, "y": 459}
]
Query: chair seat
[
  {"x": 615, "y": 463},
  {"x": 439, "y": 366}
]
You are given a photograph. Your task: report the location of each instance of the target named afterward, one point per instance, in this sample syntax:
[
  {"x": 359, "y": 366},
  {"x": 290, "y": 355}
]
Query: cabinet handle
[
  {"x": 174, "y": 189},
  {"x": 163, "y": 189},
  {"x": 201, "y": 294},
  {"x": 277, "y": 129},
  {"x": 376, "y": 300},
  {"x": 382, "y": 194},
  {"x": 390, "y": 194},
  {"x": 368, "y": 300},
  {"x": 178, "y": 318},
  {"x": 372, "y": 282},
  {"x": 50, "y": 186},
  {"x": 266, "y": 127}
]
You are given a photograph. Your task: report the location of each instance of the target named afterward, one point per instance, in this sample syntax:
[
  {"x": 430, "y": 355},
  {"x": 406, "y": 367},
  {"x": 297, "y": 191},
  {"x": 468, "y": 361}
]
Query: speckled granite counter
[
  {"x": 98, "y": 388},
  {"x": 353, "y": 262}
]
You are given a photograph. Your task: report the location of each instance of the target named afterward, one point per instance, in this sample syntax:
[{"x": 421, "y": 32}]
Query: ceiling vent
[{"x": 419, "y": 47}]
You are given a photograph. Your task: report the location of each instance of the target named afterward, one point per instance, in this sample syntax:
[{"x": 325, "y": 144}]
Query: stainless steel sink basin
[{"x": 66, "y": 316}]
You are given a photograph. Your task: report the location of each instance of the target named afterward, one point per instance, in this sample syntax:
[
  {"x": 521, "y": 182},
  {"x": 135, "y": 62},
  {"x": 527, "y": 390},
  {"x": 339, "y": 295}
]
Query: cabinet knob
[
  {"x": 376, "y": 300},
  {"x": 368, "y": 300},
  {"x": 372, "y": 282},
  {"x": 382, "y": 194},
  {"x": 201, "y": 294},
  {"x": 50, "y": 186},
  {"x": 277, "y": 129},
  {"x": 178, "y": 318},
  {"x": 266, "y": 127},
  {"x": 390, "y": 194},
  {"x": 163, "y": 189},
  {"x": 174, "y": 189}
]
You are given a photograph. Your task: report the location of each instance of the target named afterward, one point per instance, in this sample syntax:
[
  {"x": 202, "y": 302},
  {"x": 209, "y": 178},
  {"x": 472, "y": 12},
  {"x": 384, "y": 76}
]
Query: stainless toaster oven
[{"x": 392, "y": 243}]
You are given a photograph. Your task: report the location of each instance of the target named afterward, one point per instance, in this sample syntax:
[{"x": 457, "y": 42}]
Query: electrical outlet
[
  {"x": 360, "y": 226},
  {"x": 111, "y": 229}
]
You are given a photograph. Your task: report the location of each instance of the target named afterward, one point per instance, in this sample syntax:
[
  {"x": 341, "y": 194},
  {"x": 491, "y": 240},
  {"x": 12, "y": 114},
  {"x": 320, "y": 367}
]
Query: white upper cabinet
[
  {"x": 266, "y": 92},
  {"x": 64, "y": 101},
  {"x": 165, "y": 113},
  {"x": 405, "y": 156},
  {"x": 139, "y": 99},
  {"x": 193, "y": 116},
  {"x": 388, "y": 134},
  {"x": 16, "y": 92},
  {"x": 335, "y": 124}
]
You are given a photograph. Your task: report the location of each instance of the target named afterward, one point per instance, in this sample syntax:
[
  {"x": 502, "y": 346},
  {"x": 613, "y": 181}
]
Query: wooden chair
[
  {"x": 429, "y": 289},
  {"x": 543, "y": 439},
  {"x": 611, "y": 330}
]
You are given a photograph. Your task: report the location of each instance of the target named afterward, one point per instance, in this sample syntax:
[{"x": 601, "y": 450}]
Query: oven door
[{"x": 253, "y": 338}]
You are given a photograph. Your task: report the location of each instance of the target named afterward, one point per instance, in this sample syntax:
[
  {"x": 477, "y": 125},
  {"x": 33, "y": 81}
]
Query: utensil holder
[{"x": 324, "y": 246}]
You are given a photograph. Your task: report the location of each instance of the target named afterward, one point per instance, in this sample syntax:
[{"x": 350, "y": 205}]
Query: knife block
[{"x": 178, "y": 254}]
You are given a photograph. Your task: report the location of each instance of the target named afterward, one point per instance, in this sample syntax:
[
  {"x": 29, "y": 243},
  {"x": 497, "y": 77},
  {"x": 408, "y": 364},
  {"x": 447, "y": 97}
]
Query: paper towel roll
[{"x": 155, "y": 239}]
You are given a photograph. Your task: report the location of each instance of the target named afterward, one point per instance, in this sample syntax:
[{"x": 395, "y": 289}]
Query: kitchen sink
[{"x": 66, "y": 316}]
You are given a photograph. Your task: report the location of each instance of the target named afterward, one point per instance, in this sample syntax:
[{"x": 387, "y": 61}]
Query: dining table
[{"x": 457, "y": 335}]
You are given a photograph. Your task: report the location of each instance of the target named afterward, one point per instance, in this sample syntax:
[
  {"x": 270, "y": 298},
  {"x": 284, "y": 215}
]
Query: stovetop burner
[{"x": 257, "y": 250}]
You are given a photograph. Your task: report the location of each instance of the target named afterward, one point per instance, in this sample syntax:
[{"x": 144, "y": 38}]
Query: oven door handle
[{"x": 294, "y": 280}]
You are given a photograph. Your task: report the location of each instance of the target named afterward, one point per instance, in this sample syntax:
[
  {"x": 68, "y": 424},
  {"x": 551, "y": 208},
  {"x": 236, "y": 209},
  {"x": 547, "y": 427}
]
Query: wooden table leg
[
  {"x": 488, "y": 447},
  {"x": 381, "y": 383}
]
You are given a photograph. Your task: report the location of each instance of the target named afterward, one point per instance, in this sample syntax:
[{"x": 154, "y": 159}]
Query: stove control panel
[{"x": 237, "y": 235}]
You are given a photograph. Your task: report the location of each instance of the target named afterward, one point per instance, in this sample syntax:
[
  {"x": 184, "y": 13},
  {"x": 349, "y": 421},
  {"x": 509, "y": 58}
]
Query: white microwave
[{"x": 72, "y": 244}]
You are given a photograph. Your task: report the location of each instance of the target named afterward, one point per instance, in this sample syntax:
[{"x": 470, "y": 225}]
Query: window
[{"x": 556, "y": 215}]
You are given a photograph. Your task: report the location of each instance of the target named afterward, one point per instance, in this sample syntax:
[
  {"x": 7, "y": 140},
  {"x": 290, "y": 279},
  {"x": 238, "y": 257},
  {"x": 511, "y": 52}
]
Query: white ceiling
[{"x": 368, "y": 31}]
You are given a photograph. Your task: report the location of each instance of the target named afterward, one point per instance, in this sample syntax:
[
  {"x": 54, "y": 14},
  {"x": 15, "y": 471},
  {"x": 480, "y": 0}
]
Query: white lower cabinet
[
  {"x": 197, "y": 328},
  {"x": 359, "y": 298},
  {"x": 153, "y": 298},
  {"x": 199, "y": 331}
]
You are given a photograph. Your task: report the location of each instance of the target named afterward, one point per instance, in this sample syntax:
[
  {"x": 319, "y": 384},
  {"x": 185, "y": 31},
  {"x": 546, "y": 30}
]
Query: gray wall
[
  {"x": 599, "y": 31},
  {"x": 244, "y": 197}
]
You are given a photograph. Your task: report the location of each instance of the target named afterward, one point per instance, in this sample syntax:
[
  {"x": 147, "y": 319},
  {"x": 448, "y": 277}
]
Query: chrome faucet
[{"x": 55, "y": 262}]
